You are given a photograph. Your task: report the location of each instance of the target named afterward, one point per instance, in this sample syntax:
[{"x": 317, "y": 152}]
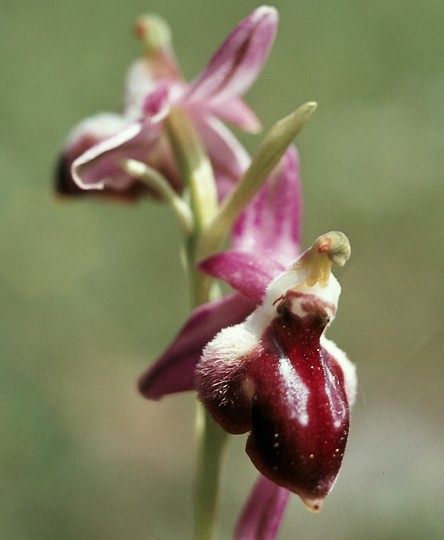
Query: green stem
[
  {"x": 211, "y": 441},
  {"x": 195, "y": 166},
  {"x": 200, "y": 186},
  {"x": 160, "y": 185}
]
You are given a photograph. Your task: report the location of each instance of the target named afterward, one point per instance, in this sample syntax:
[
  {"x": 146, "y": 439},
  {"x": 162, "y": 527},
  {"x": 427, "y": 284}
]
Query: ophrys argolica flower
[
  {"x": 92, "y": 156},
  {"x": 277, "y": 377}
]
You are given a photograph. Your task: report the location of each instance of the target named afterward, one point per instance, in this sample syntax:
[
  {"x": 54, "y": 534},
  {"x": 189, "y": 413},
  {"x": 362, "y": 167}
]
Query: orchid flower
[
  {"x": 91, "y": 159},
  {"x": 289, "y": 298},
  {"x": 277, "y": 376}
]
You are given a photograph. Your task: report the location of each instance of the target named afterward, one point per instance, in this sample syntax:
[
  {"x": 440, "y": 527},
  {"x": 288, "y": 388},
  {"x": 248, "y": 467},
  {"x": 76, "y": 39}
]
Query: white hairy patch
[
  {"x": 230, "y": 344},
  {"x": 220, "y": 361}
]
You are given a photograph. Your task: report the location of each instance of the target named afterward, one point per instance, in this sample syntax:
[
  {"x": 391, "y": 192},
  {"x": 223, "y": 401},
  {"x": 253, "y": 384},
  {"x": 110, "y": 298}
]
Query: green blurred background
[{"x": 91, "y": 292}]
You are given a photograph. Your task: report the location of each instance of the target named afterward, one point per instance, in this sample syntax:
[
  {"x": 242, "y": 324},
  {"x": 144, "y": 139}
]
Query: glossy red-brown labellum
[{"x": 289, "y": 393}]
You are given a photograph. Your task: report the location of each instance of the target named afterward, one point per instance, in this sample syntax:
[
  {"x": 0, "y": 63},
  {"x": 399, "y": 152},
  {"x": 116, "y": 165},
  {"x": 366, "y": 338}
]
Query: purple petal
[
  {"x": 238, "y": 113},
  {"x": 270, "y": 225},
  {"x": 263, "y": 513},
  {"x": 98, "y": 167},
  {"x": 65, "y": 186},
  {"x": 156, "y": 104},
  {"x": 238, "y": 61},
  {"x": 90, "y": 133},
  {"x": 174, "y": 370},
  {"x": 248, "y": 273},
  {"x": 143, "y": 76}
]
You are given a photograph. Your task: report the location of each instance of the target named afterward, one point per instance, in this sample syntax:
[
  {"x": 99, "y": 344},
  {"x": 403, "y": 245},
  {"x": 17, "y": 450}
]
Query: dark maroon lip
[
  {"x": 289, "y": 393},
  {"x": 300, "y": 412}
]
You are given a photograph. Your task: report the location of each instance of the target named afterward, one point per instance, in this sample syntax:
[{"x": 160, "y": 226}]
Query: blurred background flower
[{"x": 82, "y": 455}]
